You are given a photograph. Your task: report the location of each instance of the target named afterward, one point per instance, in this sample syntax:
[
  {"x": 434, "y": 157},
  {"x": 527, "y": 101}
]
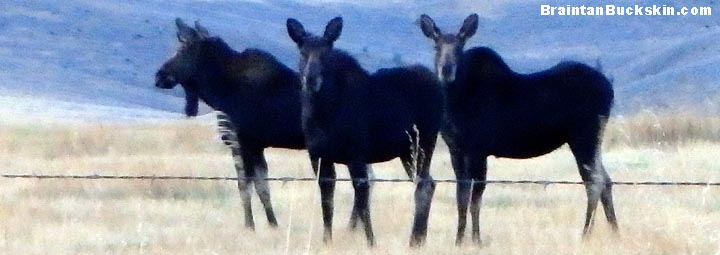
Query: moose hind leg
[
  {"x": 424, "y": 191},
  {"x": 263, "y": 189},
  {"x": 593, "y": 191},
  {"x": 359, "y": 175},
  {"x": 354, "y": 215},
  {"x": 244, "y": 186},
  {"x": 587, "y": 157},
  {"x": 227, "y": 134},
  {"x": 606, "y": 198}
]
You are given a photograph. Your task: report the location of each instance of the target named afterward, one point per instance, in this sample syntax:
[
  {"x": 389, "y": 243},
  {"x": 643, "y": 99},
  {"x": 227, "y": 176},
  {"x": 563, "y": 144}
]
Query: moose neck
[
  {"x": 481, "y": 76},
  {"x": 220, "y": 80}
]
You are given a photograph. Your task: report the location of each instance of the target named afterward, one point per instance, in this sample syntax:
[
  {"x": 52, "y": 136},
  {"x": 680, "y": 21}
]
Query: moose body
[
  {"x": 374, "y": 119},
  {"x": 355, "y": 118},
  {"x": 511, "y": 115},
  {"x": 257, "y": 95},
  {"x": 494, "y": 111}
]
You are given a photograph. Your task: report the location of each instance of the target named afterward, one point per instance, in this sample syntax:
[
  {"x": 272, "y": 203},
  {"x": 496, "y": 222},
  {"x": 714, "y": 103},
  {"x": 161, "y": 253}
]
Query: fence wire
[{"x": 315, "y": 179}]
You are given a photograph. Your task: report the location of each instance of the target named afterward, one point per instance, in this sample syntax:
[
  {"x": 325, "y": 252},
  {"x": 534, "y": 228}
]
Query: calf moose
[
  {"x": 494, "y": 111},
  {"x": 355, "y": 118},
  {"x": 257, "y": 95}
]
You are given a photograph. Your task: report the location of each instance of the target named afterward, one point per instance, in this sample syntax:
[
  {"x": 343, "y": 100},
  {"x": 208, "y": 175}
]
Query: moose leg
[
  {"x": 424, "y": 192},
  {"x": 607, "y": 199},
  {"x": 227, "y": 133},
  {"x": 262, "y": 188},
  {"x": 359, "y": 175},
  {"x": 354, "y": 216},
  {"x": 244, "y": 186},
  {"x": 462, "y": 193},
  {"x": 606, "y": 196},
  {"x": 478, "y": 168},
  {"x": 325, "y": 170},
  {"x": 593, "y": 190},
  {"x": 597, "y": 183}
]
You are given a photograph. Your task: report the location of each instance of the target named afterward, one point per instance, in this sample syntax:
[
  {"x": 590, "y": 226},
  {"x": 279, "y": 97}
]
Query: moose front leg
[
  {"x": 325, "y": 170},
  {"x": 361, "y": 184}
]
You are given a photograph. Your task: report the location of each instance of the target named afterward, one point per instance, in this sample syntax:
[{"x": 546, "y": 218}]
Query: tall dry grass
[
  {"x": 81, "y": 140},
  {"x": 651, "y": 129},
  {"x": 185, "y": 217}
]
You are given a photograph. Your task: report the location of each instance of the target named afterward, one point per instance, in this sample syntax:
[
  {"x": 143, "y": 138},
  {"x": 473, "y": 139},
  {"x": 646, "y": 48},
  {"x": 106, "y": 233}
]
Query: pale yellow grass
[{"x": 205, "y": 217}]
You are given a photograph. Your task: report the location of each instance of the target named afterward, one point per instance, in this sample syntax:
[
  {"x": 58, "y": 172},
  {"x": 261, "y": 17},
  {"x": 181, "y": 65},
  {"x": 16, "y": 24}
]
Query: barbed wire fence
[
  {"x": 544, "y": 183},
  {"x": 316, "y": 179}
]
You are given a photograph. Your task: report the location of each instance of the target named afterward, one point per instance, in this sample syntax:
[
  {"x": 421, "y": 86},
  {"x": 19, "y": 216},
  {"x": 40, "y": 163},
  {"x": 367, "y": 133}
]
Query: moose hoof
[
  {"x": 417, "y": 241},
  {"x": 477, "y": 241},
  {"x": 327, "y": 237}
]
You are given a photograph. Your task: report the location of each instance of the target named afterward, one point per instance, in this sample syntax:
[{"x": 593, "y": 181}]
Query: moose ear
[
  {"x": 333, "y": 29},
  {"x": 202, "y": 31},
  {"x": 185, "y": 33},
  {"x": 429, "y": 28},
  {"x": 296, "y": 31},
  {"x": 469, "y": 27}
]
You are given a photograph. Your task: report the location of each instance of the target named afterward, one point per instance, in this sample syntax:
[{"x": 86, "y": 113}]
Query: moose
[
  {"x": 493, "y": 111},
  {"x": 258, "y": 98},
  {"x": 352, "y": 117},
  {"x": 258, "y": 103}
]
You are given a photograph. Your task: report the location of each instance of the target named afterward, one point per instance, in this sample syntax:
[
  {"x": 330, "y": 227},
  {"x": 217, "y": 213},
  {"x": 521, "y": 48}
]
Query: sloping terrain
[{"x": 96, "y": 60}]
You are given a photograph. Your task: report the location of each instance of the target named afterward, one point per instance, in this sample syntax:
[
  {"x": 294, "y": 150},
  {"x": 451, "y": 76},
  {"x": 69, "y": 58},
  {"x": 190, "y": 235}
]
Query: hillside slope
[{"x": 96, "y": 59}]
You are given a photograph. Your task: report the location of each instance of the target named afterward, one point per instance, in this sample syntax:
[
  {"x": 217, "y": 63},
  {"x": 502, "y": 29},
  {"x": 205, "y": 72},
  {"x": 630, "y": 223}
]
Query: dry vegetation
[
  {"x": 183, "y": 217},
  {"x": 648, "y": 129}
]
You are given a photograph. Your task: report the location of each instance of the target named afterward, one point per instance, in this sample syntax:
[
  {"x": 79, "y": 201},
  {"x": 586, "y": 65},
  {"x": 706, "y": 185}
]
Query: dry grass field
[{"x": 205, "y": 217}]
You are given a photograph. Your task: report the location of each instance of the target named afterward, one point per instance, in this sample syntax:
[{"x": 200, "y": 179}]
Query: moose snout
[
  {"x": 312, "y": 82},
  {"x": 312, "y": 78},
  {"x": 164, "y": 80},
  {"x": 447, "y": 72}
]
